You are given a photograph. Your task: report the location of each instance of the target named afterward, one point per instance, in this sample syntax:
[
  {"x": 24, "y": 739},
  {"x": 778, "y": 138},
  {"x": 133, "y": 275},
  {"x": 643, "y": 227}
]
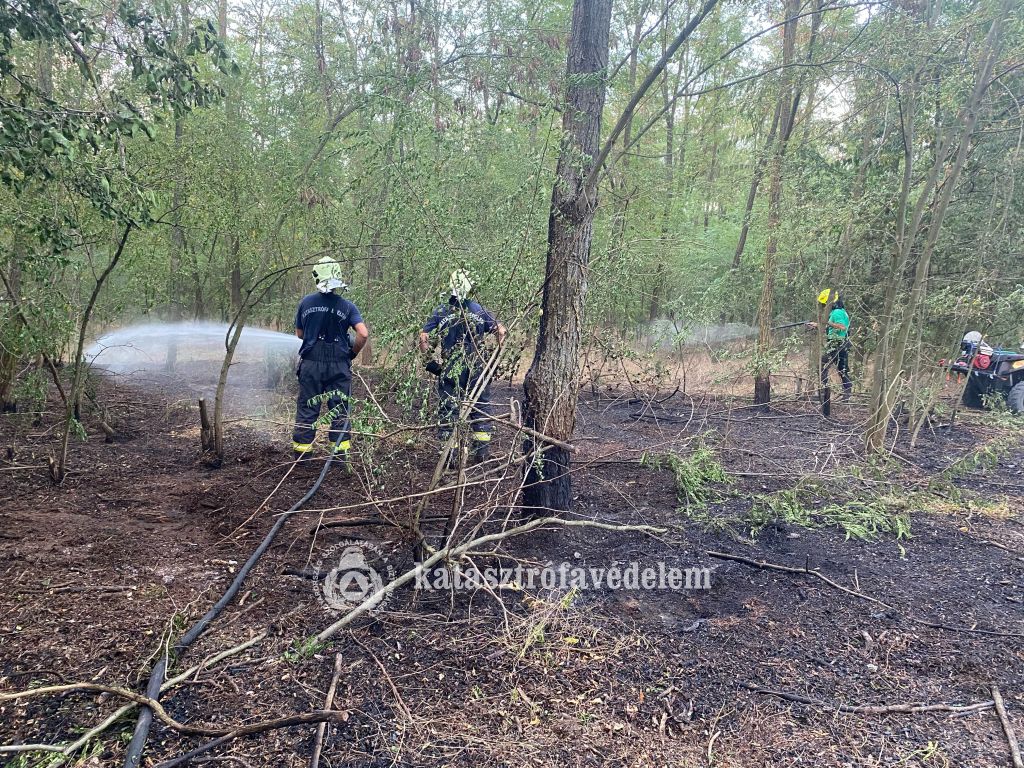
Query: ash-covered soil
[{"x": 97, "y": 575}]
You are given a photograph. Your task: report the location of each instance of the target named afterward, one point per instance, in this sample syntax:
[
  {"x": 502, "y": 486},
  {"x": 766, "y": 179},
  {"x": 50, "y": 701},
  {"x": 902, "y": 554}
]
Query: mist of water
[
  {"x": 181, "y": 348},
  {"x": 665, "y": 334}
]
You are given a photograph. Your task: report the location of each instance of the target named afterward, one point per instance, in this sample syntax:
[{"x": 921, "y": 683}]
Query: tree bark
[
  {"x": 551, "y": 386},
  {"x": 755, "y": 183},
  {"x": 175, "y": 287},
  {"x": 786, "y": 107}
]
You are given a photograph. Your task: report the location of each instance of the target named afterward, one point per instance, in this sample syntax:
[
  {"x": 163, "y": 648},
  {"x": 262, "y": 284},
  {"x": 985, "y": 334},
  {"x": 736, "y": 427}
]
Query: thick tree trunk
[{"x": 551, "y": 385}]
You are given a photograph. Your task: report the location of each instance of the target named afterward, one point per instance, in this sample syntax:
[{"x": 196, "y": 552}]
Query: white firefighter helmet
[
  {"x": 327, "y": 275},
  {"x": 460, "y": 284}
]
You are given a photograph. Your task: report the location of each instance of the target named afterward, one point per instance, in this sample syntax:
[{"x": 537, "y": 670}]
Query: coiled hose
[{"x": 156, "y": 678}]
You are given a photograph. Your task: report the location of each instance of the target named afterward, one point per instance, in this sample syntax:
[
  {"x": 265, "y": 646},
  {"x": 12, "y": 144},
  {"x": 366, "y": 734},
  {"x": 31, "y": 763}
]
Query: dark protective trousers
[
  {"x": 451, "y": 391},
  {"x": 331, "y": 377},
  {"x": 837, "y": 353}
]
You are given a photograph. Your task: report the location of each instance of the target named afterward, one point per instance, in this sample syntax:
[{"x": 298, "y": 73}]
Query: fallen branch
[
  {"x": 1011, "y": 737},
  {"x": 12, "y": 748},
  {"x": 321, "y": 730},
  {"x": 871, "y": 709},
  {"x": 94, "y": 588},
  {"x": 138, "y": 698},
  {"x": 391, "y": 683},
  {"x": 535, "y": 434},
  {"x": 89, "y": 735},
  {"x": 359, "y": 522},
  {"x": 317, "y": 716},
  {"x": 133, "y": 754},
  {"x": 1000, "y": 546},
  {"x": 70, "y": 749},
  {"x": 767, "y": 566}
]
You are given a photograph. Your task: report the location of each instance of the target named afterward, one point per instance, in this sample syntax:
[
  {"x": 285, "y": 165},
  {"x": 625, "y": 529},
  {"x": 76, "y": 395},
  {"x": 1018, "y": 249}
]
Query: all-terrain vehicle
[{"x": 992, "y": 372}]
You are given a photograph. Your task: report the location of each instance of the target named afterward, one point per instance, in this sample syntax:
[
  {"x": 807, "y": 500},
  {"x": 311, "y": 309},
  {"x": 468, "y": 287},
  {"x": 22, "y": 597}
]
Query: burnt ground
[{"x": 142, "y": 539}]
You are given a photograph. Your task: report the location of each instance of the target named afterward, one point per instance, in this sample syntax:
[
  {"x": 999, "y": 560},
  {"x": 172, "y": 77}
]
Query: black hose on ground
[{"x": 156, "y": 678}]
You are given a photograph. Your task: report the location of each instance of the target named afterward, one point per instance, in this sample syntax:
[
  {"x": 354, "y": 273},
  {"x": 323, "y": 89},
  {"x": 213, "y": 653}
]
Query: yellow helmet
[{"x": 825, "y": 296}]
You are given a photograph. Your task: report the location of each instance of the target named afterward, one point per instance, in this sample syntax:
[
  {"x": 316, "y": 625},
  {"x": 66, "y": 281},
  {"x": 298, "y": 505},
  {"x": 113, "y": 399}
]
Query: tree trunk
[
  {"x": 235, "y": 278},
  {"x": 374, "y": 277},
  {"x": 58, "y": 467},
  {"x": 321, "y": 55},
  {"x": 618, "y": 226},
  {"x": 755, "y": 182},
  {"x": 9, "y": 354},
  {"x": 654, "y": 309},
  {"x": 551, "y": 385},
  {"x": 667, "y": 91},
  {"x": 222, "y": 19},
  {"x": 175, "y": 286},
  {"x": 786, "y": 108},
  {"x": 889, "y": 368}
]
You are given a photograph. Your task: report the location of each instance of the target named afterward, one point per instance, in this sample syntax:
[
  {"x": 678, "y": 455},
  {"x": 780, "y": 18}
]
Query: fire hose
[{"x": 133, "y": 756}]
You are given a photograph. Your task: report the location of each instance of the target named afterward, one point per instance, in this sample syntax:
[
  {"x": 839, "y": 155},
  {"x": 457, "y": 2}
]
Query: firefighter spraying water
[{"x": 323, "y": 321}]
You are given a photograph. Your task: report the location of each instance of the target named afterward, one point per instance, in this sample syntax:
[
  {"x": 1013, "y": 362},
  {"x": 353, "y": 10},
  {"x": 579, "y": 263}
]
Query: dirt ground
[{"x": 142, "y": 539}]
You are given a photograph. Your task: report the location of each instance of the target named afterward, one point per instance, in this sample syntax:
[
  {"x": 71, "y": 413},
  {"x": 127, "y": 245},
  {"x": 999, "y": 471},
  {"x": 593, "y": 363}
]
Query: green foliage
[
  {"x": 785, "y": 506},
  {"x": 984, "y": 457},
  {"x": 860, "y": 518},
  {"x": 695, "y": 475},
  {"x": 26, "y": 759},
  {"x": 867, "y": 519},
  {"x": 31, "y": 389},
  {"x": 77, "y": 429},
  {"x": 405, "y": 147},
  {"x": 42, "y": 137},
  {"x": 301, "y": 650}
]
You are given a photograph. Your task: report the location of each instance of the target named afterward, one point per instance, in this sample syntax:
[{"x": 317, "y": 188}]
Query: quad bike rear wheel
[{"x": 1015, "y": 398}]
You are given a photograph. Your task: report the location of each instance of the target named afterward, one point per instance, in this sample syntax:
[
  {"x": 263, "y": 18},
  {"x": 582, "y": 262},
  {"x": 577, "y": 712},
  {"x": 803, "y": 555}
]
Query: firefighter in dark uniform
[
  {"x": 460, "y": 327},
  {"x": 323, "y": 321}
]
